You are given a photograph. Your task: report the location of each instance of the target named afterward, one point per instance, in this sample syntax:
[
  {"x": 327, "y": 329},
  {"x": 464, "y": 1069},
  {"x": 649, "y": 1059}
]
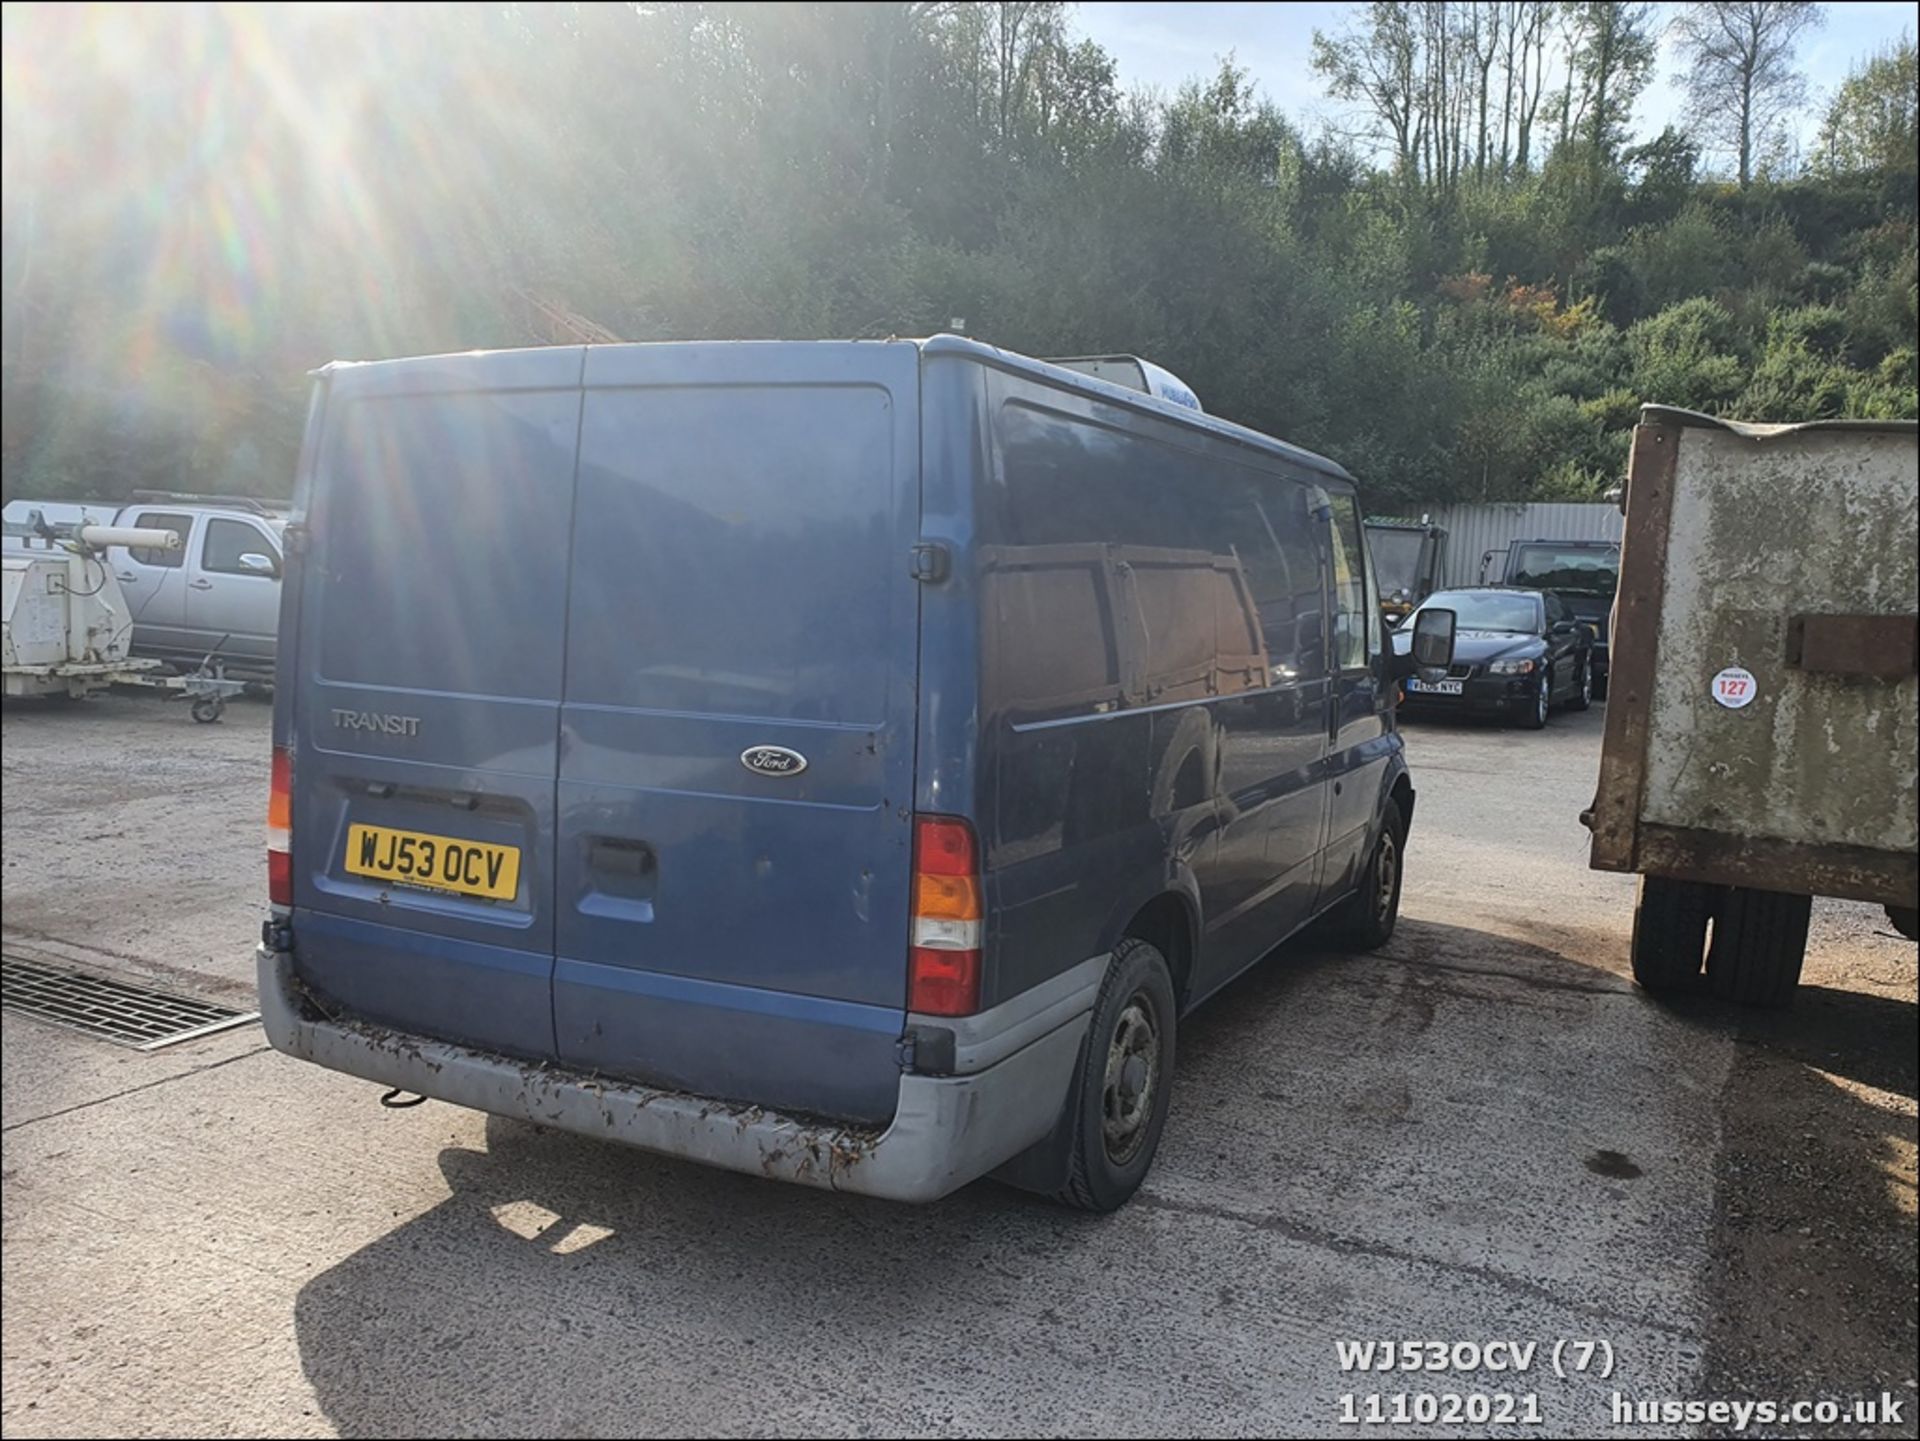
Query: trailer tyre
[
  {"x": 1670, "y": 932},
  {"x": 1759, "y": 945},
  {"x": 208, "y": 708}
]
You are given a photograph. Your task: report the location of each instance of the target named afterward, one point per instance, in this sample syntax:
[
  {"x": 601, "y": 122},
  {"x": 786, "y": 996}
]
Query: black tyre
[
  {"x": 1126, "y": 1074},
  {"x": 1759, "y": 945},
  {"x": 1583, "y": 698},
  {"x": 1600, "y": 686},
  {"x": 1365, "y": 921},
  {"x": 1670, "y": 932},
  {"x": 1534, "y": 718}
]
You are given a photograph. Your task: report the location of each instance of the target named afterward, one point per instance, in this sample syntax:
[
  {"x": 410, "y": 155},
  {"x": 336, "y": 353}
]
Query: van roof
[
  {"x": 541, "y": 366},
  {"x": 1056, "y": 375}
]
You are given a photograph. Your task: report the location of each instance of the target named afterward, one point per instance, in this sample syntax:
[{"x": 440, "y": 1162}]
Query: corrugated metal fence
[{"x": 1473, "y": 530}]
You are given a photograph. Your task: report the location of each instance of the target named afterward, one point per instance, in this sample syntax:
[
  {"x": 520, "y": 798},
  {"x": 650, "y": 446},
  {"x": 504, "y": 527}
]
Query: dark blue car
[{"x": 843, "y": 762}]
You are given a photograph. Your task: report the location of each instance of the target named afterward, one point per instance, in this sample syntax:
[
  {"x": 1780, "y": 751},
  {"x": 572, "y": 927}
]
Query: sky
[{"x": 1161, "y": 44}]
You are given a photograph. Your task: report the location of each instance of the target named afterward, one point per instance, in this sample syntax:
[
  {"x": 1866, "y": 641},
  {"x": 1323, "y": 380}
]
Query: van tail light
[
  {"x": 280, "y": 829},
  {"x": 943, "y": 975}
]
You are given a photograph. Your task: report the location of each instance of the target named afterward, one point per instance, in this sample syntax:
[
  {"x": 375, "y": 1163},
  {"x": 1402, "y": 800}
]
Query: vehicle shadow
[
  {"x": 1815, "y": 1248},
  {"x": 565, "y": 1286},
  {"x": 1850, "y": 1034},
  {"x": 568, "y": 1287}
]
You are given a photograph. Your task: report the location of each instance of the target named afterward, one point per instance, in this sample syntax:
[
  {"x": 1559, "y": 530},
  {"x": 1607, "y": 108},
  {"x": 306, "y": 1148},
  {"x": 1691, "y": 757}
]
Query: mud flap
[{"x": 1043, "y": 1167}]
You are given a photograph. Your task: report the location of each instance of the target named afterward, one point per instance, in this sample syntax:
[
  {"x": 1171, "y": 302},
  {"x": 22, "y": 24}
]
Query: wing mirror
[
  {"x": 1431, "y": 649},
  {"x": 257, "y": 564},
  {"x": 1433, "y": 639}
]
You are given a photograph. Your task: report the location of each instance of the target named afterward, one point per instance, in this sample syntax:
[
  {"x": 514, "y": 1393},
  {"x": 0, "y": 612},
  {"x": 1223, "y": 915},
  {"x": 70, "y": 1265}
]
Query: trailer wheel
[
  {"x": 1670, "y": 931},
  {"x": 208, "y": 708},
  {"x": 1759, "y": 944}
]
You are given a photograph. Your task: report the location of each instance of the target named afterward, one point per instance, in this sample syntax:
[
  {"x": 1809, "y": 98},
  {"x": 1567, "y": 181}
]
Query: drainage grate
[{"x": 125, "y": 1014}]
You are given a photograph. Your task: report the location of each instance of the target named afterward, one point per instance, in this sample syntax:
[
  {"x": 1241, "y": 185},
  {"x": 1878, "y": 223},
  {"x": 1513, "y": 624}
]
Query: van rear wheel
[{"x": 1125, "y": 1082}]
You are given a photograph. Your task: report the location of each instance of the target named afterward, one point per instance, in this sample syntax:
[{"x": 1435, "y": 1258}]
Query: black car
[{"x": 1517, "y": 653}]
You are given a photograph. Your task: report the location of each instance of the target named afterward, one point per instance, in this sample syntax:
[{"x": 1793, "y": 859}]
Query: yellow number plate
[{"x": 442, "y": 863}]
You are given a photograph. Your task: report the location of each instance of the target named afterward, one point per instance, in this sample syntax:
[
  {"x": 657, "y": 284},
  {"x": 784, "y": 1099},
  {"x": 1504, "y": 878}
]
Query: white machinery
[{"x": 65, "y": 628}]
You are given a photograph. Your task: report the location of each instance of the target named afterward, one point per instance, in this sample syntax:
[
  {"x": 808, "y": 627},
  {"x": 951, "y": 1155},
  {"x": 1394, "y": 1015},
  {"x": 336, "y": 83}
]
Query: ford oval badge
[{"x": 773, "y": 761}]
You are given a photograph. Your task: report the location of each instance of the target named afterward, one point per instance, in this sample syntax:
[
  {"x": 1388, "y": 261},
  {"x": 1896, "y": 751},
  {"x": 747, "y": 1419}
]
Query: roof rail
[{"x": 232, "y": 502}]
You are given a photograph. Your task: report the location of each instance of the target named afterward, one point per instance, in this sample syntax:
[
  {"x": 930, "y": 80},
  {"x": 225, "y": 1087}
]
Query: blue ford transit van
[{"x": 842, "y": 762}]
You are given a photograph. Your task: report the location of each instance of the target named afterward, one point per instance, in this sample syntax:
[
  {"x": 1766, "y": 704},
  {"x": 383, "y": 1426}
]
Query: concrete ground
[{"x": 1483, "y": 1133}]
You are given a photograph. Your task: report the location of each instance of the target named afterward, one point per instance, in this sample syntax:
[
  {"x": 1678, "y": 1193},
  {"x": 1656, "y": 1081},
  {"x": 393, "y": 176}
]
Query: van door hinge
[{"x": 931, "y": 562}]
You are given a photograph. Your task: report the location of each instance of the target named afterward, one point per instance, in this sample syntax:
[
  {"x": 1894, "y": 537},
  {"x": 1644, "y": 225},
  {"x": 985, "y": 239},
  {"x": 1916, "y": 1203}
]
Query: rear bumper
[{"x": 946, "y": 1130}]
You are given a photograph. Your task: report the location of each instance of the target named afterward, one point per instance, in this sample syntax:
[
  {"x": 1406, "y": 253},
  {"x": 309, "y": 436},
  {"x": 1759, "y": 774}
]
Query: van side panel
[
  {"x": 431, "y": 623},
  {"x": 1153, "y": 685},
  {"x": 741, "y": 578}
]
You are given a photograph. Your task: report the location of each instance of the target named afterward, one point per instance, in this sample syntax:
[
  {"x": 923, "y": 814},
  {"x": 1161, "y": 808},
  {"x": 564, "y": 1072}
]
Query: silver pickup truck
[{"x": 218, "y": 593}]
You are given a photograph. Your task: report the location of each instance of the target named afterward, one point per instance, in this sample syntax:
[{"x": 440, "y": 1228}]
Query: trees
[
  {"x": 1870, "y": 124},
  {"x": 1610, "y": 54},
  {"x": 1443, "y": 300},
  {"x": 1425, "y": 75},
  {"x": 1380, "y": 63},
  {"x": 1523, "y": 59},
  {"x": 1741, "y": 78}
]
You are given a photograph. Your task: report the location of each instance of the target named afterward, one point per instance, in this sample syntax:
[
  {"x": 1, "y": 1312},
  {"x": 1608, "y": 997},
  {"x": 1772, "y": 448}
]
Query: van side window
[
  {"x": 1101, "y": 594},
  {"x": 1356, "y": 621},
  {"x": 162, "y": 520},
  {"x": 1265, "y": 528},
  {"x": 227, "y": 541},
  {"x": 1173, "y": 578}
]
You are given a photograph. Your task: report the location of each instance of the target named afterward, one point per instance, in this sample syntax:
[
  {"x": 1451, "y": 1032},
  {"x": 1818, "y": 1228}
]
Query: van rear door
[
  {"x": 431, "y": 628},
  {"x": 737, "y": 727}
]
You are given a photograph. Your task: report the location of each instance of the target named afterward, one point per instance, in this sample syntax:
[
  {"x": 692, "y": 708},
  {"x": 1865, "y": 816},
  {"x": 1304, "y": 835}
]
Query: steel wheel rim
[
  {"x": 1131, "y": 1080},
  {"x": 1386, "y": 870},
  {"x": 1546, "y": 693}
]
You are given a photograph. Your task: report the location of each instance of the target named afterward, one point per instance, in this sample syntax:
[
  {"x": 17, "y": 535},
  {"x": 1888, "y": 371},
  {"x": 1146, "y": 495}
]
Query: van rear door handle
[
  {"x": 201, "y": 584},
  {"x": 125, "y": 574}
]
